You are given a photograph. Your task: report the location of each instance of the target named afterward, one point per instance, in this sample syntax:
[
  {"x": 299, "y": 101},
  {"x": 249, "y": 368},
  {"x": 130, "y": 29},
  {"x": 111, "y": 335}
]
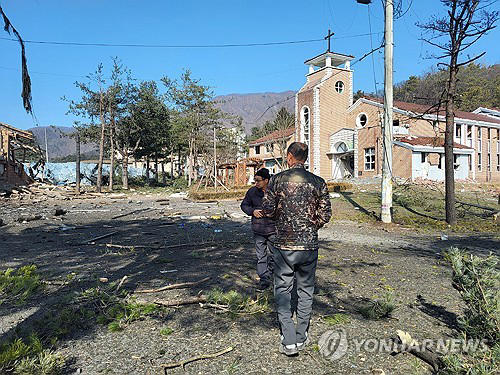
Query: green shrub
[
  {"x": 477, "y": 279},
  {"x": 378, "y": 309}
]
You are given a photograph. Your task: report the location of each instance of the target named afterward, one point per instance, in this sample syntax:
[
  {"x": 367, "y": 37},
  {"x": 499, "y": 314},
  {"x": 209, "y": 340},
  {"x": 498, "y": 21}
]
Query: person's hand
[{"x": 258, "y": 213}]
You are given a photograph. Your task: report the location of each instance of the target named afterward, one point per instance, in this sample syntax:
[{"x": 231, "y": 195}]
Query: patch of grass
[
  {"x": 336, "y": 319},
  {"x": 379, "y": 308},
  {"x": 27, "y": 357},
  {"x": 167, "y": 331},
  {"x": 19, "y": 284},
  {"x": 46, "y": 362},
  {"x": 419, "y": 207},
  {"x": 480, "y": 362},
  {"x": 238, "y": 304}
]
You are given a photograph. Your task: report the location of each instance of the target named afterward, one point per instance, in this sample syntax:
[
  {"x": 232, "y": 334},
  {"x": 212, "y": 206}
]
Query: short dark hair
[
  {"x": 264, "y": 173},
  {"x": 299, "y": 150}
]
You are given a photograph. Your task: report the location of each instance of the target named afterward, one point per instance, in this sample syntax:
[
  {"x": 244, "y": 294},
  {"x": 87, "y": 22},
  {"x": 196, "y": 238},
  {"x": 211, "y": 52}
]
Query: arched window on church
[{"x": 305, "y": 125}]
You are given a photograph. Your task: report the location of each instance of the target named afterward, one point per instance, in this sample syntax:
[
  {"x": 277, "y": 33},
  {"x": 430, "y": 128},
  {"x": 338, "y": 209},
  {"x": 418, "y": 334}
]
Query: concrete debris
[{"x": 181, "y": 194}]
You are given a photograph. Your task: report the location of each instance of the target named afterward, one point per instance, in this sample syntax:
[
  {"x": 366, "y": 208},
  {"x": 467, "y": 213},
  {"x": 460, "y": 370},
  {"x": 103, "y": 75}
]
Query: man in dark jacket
[
  {"x": 263, "y": 228},
  {"x": 300, "y": 203}
]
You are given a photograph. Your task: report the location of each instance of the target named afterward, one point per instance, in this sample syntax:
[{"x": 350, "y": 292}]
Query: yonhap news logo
[{"x": 333, "y": 344}]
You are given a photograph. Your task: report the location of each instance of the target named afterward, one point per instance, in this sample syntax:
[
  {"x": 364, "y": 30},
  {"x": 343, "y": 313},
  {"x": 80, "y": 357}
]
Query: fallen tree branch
[
  {"x": 178, "y": 302},
  {"x": 197, "y": 358},
  {"x": 494, "y": 210},
  {"x": 130, "y": 213},
  {"x": 98, "y": 238},
  {"x": 404, "y": 343},
  {"x": 122, "y": 281},
  {"x": 173, "y": 286}
]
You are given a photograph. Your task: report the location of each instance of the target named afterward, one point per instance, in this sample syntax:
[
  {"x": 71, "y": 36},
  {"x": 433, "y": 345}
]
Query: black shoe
[{"x": 263, "y": 285}]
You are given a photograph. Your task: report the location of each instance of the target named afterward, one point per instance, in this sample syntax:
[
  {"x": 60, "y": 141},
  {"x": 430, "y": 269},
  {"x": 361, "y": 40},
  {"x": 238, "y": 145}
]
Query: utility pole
[
  {"x": 387, "y": 127},
  {"x": 386, "y": 208}
]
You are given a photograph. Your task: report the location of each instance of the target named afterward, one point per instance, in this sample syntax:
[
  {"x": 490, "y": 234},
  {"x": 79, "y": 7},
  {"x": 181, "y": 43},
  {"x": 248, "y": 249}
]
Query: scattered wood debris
[
  {"x": 173, "y": 286},
  {"x": 184, "y": 362}
]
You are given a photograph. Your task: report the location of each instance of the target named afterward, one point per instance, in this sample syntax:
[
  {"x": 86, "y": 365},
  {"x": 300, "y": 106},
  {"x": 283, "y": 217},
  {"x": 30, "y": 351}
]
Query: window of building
[
  {"x": 370, "y": 159},
  {"x": 489, "y": 140},
  {"x": 489, "y": 162},
  {"x": 469, "y": 135},
  {"x": 479, "y": 162},
  {"x": 498, "y": 140},
  {"x": 498, "y": 162},
  {"x": 269, "y": 147},
  {"x": 395, "y": 123},
  {"x": 469, "y": 159},
  {"x": 455, "y": 162},
  {"x": 458, "y": 131},
  {"x": 339, "y": 87},
  {"x": 423, "y": 157},
  {"x": 479, "y": 139},
  {"x": 361, "y": 120},
  {"x": 257, "y": 150},
  {"x": 305, "y": 124}
]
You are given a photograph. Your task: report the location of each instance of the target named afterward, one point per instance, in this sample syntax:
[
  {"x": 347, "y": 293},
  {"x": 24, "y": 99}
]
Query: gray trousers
[
  {"x": 300, "y": 265},
  {"x": 264, "y": 248}
]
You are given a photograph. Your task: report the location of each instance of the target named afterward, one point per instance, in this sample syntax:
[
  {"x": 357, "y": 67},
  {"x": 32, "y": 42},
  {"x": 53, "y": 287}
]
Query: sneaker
[
  {"x": 289, "y": 350},
  {"x": 302, "y": 345}
]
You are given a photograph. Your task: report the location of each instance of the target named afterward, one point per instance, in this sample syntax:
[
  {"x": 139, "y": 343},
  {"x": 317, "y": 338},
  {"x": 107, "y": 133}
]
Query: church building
[{"x": 345, "y": 137}]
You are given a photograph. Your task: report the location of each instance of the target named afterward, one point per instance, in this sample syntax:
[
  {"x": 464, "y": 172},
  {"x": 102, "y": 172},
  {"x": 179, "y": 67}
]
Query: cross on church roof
[{"x": 330, "y": 34}]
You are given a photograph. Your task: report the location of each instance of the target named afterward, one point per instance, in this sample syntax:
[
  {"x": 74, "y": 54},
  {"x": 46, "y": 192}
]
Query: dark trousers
[
  {"x": 264, "y": 248},
  {"x": 301, "y": 265}
]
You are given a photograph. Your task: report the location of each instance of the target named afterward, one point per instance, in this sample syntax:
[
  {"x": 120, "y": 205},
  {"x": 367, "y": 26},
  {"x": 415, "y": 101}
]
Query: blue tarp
[{"x": 64, "y": 173}]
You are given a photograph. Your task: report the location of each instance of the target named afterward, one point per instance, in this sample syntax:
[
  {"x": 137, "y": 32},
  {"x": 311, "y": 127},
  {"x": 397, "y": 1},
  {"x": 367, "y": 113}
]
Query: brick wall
[{"x": 333, "y": 109}]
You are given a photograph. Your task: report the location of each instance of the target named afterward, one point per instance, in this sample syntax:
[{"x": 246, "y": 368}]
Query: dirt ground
[{"x": 174, "y": 242}]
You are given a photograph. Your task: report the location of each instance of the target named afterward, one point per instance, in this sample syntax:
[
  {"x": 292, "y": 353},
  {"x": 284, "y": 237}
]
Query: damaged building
[{"x": 14, "y": 145}]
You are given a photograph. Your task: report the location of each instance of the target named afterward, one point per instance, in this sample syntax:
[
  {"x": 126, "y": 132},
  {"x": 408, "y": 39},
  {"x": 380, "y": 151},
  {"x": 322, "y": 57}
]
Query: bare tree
[
  {"x": 26, "y": 93},
  {"x": 283, "y": 121},
  {"x": 465, "y": 22}
]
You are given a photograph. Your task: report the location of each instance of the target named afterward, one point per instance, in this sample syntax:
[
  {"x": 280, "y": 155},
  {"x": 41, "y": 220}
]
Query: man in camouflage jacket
[{"x": 300, "y": 204}]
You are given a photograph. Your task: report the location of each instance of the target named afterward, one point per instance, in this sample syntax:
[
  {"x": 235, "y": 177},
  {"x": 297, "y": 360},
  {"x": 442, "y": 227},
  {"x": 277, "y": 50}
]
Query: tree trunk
[
  {"x": 163, "y": 176},
  {"x": 77, "y": 167},
  {"x": 171, "y": 165},
  {"x": 101, "y": 146},
  {"x": 190, "y": 164},
  {"x": 125, "y": 169},
  {"x": 451, "y": 215},
  {"x": 179, "y": 167},
  {"x": 112, "y": 152},
  {"x": 147, "y": 170},
  {"x": 156, "y": 168}
]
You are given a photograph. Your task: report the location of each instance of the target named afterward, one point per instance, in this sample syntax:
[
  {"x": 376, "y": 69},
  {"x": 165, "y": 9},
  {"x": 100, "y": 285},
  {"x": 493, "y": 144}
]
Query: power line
[{"x": 140, "y": 45}]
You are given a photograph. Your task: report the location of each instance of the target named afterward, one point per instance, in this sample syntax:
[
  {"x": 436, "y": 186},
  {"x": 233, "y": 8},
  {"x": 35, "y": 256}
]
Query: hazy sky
[{"x": 241, "y": 69}]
